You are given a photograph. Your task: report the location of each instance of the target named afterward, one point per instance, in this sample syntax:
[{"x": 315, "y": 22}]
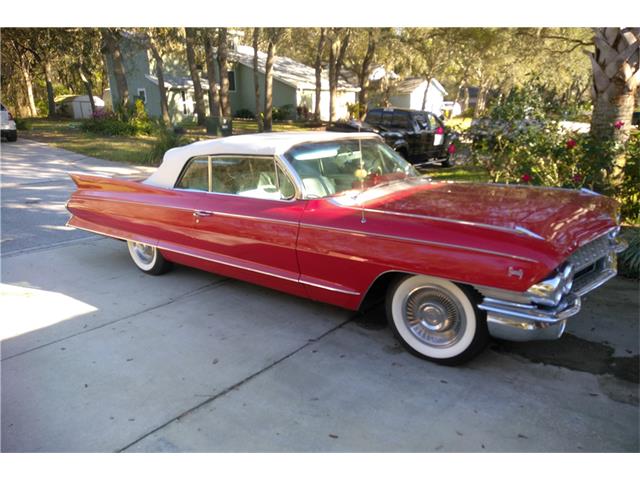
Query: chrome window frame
[{"x": 278, "y": 161}]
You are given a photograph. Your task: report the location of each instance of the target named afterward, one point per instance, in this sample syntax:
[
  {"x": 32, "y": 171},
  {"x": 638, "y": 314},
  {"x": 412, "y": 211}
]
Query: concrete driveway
[{"x": 97, "y": 356}]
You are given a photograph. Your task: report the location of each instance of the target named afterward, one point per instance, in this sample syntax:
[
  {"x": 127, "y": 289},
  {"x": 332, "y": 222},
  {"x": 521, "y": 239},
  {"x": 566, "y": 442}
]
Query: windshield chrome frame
[{"x": 293, "y": 174}]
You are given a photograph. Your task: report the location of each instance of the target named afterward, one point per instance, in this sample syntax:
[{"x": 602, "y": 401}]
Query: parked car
[
  {"x": 341, "y": 218},
  {"x": 7, "y": 125},
  {"x": 420, "y": 137}
]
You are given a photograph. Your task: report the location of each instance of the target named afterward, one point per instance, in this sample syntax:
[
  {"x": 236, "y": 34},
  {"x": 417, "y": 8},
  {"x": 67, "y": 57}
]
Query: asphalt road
[{"x": 97, "y": 356}]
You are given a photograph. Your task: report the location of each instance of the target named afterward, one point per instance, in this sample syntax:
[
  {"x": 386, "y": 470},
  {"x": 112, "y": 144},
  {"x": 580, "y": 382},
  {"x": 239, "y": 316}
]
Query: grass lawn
[
  {"x": 66, "y": 134},
  {"x": 135, "y": 150}
]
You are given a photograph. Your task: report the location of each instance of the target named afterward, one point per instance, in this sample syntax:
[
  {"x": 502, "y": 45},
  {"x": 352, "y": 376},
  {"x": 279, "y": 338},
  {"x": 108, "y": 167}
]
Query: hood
[{"x": 565, "y": 218}]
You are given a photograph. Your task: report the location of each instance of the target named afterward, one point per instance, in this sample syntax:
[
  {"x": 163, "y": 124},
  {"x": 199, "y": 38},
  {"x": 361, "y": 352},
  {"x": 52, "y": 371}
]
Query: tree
[
  {"x": 156, "y": 39},
  {"x": 214, "y": 104},
  {"x": 190, "y": 42},
  {"x": 318, "y": 71},
  {"x": 274, "y": 35},
  {"x": 616, "y": 76},
  {"x": 24, "y": 57},
  {"x": 110, "y": 37},
  {"x": 256, "y": 85},
  {"x": 339, "y": 42},
  {"x": 223, "y": 68}
]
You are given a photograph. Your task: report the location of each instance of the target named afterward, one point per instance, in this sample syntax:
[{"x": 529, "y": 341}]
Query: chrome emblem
[{"x": 516, "y": 272}]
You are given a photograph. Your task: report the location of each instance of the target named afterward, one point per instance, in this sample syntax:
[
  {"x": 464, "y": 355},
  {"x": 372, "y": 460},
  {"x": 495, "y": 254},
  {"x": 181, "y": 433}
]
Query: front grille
[
  {"x": 590, "y": 253},
  {"x": 592, "y": 262}
]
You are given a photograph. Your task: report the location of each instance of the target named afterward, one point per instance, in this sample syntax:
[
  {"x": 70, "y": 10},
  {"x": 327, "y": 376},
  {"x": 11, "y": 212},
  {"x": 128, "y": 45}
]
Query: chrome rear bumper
[{"x": 524, "y": 321}]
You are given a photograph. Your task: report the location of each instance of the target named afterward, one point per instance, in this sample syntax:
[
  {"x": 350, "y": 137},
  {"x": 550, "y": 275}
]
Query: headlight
[{"x": 549, "y": 292}]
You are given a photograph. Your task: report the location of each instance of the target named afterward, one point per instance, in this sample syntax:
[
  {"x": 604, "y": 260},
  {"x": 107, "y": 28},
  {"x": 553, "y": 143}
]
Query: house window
[
  {"x": 184, "y": 103},
  {"x": 142, "y": 95},
  {"x": 231, "y": 75}
]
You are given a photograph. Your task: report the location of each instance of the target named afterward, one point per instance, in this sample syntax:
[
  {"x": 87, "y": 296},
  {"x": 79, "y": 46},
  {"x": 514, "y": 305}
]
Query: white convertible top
[{"x": 251, "y": 144}]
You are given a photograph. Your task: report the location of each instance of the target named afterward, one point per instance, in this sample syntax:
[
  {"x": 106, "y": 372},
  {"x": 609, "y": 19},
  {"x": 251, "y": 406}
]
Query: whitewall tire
[
  {"x": 147, "y": 258},
  {"x": 436, "y": 319}
]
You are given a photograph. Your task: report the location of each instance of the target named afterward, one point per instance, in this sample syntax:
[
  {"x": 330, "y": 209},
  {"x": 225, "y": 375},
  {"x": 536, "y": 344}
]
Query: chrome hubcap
[
  {"x": 434, "y": 316},
  {"x": 143, "y": 252}
]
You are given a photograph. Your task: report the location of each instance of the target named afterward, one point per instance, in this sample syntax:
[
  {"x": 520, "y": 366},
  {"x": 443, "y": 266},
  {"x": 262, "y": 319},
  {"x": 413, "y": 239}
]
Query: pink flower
[
  {"x": 526, "y": 178},
  {"x": 618, "y": 125},
  {"x": 577, "y": 178},
  {"x": 571, "y": 143}
]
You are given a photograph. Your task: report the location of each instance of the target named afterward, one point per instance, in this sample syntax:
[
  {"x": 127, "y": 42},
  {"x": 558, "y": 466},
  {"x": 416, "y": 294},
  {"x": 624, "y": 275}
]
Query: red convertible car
[{"x": 341, "y": 218}]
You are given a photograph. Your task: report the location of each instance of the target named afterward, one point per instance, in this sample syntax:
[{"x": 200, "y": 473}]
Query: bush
[
  {"x": 107, "y": 126},
  {"x": 23, "y": 123},
  {"x": 517, "y": 145},
  {"x": 140, "y": 120},
  {"x": 283, "y": 113},
  {"x": 629, "y": 260},
  {"x": 136, "y": 122},
  {"x": 245, "y": 113},
  {"x": 165, "y": 140}
]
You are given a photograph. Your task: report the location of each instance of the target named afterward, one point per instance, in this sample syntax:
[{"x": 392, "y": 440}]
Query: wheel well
[{"x": 378, "y": 289}]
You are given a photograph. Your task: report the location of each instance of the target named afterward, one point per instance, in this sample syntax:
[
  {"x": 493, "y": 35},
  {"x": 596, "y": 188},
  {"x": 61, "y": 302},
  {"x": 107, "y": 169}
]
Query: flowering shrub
[
  {"x": 551, "y": 156},
  {"x": 517, "y": 144},
  {"x": 137, "y": 122}
]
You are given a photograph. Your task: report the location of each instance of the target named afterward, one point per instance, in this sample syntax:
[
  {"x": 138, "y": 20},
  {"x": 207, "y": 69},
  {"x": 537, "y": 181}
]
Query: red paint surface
[{"x": 318, "y": 249}]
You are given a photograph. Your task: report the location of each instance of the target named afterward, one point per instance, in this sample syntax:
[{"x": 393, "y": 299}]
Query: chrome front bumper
[{"x": 525, "y": 321}]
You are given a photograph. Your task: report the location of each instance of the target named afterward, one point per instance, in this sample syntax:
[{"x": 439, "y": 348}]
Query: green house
[{"x": 293, "y": 83}]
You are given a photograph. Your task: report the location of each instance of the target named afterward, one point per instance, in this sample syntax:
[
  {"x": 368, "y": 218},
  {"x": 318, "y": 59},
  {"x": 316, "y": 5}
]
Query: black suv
[{"x": 420, "y": 137}]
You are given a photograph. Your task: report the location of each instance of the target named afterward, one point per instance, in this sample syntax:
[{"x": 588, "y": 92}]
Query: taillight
[{"x": 439, "y": 131}]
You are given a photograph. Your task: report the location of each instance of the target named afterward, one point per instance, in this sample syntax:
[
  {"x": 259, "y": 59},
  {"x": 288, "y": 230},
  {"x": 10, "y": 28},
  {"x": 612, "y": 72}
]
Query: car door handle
[{"x": 202, "y": 213}]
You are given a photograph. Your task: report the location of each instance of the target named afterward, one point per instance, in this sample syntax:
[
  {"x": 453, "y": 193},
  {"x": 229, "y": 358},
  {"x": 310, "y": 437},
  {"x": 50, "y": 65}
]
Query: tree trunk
[
  {"x": 268, "y": 87},
  {"x": 190, "y": 39},
  {"x": 336, "y": 58},
  {"x": 616, "y": 76},
  {"x": 26, "y": 75},
  {"x": 110, "y": 38},
  {"x": 48, "y": 78},
  {"x": 162, "y": 89},
  {"x": 481, "y": 99},
  {"x": 85, "y": 75},
  {"x": 223, "y": 68},
  {"x": 256, "y": 84},
  {"x": 363, "y": 76},
  {"x": 426, "y": 93},
  {"x": 214, "y": 105},
  {"x": 318, "y": 69}
]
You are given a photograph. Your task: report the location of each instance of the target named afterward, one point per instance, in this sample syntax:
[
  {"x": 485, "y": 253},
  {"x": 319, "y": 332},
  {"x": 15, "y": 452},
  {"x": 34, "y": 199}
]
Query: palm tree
[{"x": 616, "y": 76}]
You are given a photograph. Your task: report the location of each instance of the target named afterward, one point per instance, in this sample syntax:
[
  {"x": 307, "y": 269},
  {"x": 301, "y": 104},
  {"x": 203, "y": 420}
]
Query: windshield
[{"x": 329, "y": 168}]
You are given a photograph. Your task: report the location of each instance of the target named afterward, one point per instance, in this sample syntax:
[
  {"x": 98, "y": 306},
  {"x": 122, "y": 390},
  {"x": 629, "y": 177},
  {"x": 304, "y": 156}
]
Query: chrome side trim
[
  {"x": 215, "y": 212},
  {"x": 332, "y": 289},
  {"x": 222, "y": 262},
  {"x": 516, "y": 229},
  {"x": 415, "y": 240},
  {"x": 526, "y": 231}
]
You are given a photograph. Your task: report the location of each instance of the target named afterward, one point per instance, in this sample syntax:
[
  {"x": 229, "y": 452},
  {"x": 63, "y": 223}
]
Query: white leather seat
[{"x": 318, "y": 186}]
